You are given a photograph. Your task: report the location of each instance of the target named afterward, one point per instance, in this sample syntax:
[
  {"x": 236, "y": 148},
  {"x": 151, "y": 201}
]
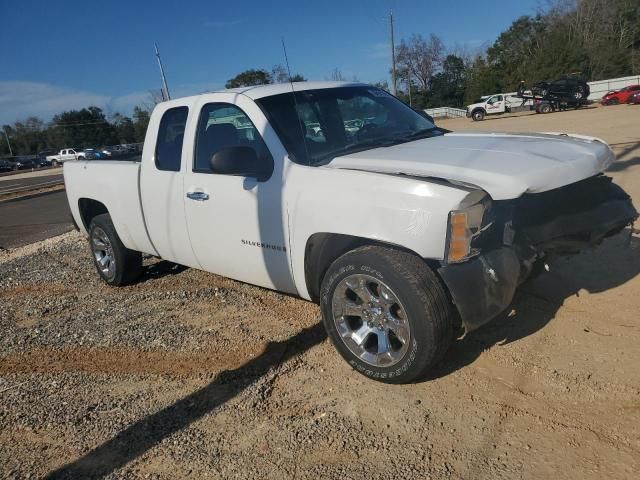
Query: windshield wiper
[{"x": 360, "y": 146}]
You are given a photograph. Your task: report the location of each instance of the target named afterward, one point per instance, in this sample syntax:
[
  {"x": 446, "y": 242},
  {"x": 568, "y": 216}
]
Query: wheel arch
[
  {"x": 323, "y": 248},
  {"x": 90, "y": 208}
]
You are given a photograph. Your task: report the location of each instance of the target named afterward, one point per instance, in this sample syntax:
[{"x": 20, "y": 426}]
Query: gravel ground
[{"x": 190, "y": 375}]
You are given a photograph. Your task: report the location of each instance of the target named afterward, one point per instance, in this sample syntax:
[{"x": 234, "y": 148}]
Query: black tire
[
  {"x": 614, "y": 101},
  {"x": 545, "y": 108},
  {"x": 54, "y": 163},
  {"x": 477, "y": 115},
  {"x": 127, "y": 263},
  {"x": 419, "y": 292}
]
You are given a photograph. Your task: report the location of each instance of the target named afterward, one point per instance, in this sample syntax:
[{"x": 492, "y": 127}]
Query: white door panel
[
  {"x": 239, "y": 231},
  {"x": 163, "y": 204}
]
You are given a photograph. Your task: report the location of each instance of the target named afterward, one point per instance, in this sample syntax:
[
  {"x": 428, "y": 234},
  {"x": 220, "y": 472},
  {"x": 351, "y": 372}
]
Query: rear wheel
[
  {"x": 115, "y": 263},
  {"x": 386, "y": 313}
]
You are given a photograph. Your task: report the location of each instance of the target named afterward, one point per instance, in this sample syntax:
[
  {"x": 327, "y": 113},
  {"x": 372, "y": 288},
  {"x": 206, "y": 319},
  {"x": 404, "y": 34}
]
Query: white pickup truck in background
[
  {"x": 341, "y": 194},
  {"x": 64, "y": 155},
  {"x": 495, "y": 105}
]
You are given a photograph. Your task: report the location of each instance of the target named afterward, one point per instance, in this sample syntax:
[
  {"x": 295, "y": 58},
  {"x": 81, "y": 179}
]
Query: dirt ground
[{"x": 189, "y": 375}]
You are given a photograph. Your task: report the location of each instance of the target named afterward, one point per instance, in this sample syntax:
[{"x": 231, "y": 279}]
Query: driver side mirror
[{"x": 241, "y": 161}]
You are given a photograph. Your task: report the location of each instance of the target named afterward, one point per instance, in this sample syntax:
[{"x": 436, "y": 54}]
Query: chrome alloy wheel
[
  {"x": 103, "y": 252},
  {"x": 370, "y": 320}
]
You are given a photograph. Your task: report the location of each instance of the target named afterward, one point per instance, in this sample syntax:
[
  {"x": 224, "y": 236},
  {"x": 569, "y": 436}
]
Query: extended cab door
[
  {"x": 237, "y": 224},
  {"x": 161, "y": 190}
]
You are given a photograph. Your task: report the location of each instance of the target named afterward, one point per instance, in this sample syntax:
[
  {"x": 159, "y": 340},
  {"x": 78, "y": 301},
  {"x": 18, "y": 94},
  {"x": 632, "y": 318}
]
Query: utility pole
[
  {"x": 8, "y": 142},
  {"x": 165, "y": 89},
  {"x": 393, "y": 56}
]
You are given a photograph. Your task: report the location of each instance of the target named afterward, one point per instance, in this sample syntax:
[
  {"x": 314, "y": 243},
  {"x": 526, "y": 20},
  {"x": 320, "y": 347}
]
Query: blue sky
[{"x": 69, "y": 54}]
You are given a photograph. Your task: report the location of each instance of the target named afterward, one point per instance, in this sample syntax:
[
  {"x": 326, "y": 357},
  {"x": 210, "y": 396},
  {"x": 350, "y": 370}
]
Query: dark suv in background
[{"x": 567, "y": 88}]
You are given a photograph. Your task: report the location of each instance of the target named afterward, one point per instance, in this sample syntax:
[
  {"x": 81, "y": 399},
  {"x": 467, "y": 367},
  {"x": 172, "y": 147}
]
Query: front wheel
[
  {"x": 115, "y": 263},
  {"x": 386, "y": 313},
  {"x": 477, "y": 115},
  {"x": 545, "y": 108}
]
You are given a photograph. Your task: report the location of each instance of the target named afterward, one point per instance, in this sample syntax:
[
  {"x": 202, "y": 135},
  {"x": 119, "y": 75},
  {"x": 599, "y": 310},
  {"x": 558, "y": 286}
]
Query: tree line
[
  {"x": 595, "y": 39},
  {"x": 88, "y": 127}
]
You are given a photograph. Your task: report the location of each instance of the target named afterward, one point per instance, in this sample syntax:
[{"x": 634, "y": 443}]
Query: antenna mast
[
  {"x": 393, "y": 56},
  {"x": 295, "y": 103},
  {"x": 165, "y": 89}
]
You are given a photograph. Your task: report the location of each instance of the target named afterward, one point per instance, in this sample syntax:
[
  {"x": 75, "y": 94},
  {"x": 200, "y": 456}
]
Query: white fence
[
  {"x": 446, "y": 112},
  {"x": 599, "y": 88}
]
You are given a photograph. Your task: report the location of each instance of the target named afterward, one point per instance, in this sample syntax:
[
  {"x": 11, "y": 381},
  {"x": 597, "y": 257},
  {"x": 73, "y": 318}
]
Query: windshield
[{"x": 336, "y": 121}]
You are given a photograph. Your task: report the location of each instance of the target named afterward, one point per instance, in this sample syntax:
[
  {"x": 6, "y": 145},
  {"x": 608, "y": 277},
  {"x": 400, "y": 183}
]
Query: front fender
[{"x": 398, "y": 210}]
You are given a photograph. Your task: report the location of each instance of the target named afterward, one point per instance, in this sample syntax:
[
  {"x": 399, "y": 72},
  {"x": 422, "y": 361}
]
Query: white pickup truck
[
  {"x": 66, "y": 154},
  {"x": 494, "y": 105},
  {"x": 401, "y": 231}
]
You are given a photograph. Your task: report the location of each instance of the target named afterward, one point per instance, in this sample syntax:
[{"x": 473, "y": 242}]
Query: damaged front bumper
[
  {"x": 483, "y": 287},
  {"x": 523, "y": 232}
]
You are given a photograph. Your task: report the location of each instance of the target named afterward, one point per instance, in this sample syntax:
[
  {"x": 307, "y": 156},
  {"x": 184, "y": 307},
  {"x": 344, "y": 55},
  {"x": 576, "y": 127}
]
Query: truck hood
[{"x": 505, "y": 165}]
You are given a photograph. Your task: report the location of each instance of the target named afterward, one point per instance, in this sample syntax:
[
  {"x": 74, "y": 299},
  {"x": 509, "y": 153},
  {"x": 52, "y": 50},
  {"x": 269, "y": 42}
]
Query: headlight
[{"x": 464, "y": 225}]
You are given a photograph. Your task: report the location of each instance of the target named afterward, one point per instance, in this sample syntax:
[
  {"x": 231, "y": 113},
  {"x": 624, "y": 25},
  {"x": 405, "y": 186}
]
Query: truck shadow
[
  {"x": 160, "y": 269},
  {"x": 144, "y": 434},
  {"x": 537, "y": 301},
  {"x": 621, "y": 165}
]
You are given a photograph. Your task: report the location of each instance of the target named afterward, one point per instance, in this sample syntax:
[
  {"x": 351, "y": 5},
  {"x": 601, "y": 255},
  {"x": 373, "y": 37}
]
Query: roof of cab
[{"x": 260, "y": 91}]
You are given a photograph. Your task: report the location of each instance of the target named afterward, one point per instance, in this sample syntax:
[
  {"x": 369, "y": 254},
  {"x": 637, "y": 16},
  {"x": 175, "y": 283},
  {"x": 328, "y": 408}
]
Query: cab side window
[
  {"x": 170, "y": 138},
  {"x": 221, "y": 126}
]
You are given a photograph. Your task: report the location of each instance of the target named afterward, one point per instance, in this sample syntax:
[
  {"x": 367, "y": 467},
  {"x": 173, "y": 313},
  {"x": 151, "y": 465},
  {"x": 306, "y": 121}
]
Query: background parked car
[
  {"x": 619, "y": 96},
  {"x": 567, "y": 88},
  {"x": 26, "y": 162},
  {"x": 42, "y": 157},
  {"x": 93, "y": 154},
  {"x": 6, "y": 165},
  {"x": 43, "y": 162}
]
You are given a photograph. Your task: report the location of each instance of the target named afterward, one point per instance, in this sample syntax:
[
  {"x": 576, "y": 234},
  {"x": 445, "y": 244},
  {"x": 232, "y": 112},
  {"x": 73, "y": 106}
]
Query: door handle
[{"x": 198, "y": 196}]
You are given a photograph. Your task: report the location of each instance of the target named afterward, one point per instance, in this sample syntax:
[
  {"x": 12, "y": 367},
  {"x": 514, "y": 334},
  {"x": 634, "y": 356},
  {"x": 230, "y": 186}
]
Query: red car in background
[
  {"x": 634, "y": 98},
  {"x": 619, "y": 96}
]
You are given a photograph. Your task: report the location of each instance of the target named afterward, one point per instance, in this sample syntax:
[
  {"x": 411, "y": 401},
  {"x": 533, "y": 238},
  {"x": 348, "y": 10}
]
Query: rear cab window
[{"x": 168, "y": 152}]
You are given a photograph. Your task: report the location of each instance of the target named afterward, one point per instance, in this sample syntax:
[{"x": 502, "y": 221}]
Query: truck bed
[{"x": 116, "y": 184}]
